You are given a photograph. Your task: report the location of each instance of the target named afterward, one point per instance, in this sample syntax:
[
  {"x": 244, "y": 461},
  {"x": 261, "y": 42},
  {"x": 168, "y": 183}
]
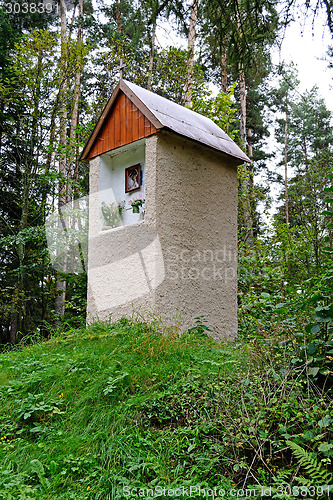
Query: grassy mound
[{"x": 128, "y": 410}]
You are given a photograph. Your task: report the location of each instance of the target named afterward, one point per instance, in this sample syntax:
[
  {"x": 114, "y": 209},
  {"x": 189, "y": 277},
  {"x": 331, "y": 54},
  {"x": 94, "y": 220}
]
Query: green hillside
[{"x": 133, "y": 410}]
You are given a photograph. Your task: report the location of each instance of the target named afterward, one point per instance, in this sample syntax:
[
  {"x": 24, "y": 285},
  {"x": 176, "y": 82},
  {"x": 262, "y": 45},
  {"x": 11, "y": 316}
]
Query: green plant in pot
[{"x": 136, "y": 204}]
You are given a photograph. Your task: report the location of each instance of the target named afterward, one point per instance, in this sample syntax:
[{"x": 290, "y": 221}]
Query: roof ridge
[{"x": 163, "y": 113}]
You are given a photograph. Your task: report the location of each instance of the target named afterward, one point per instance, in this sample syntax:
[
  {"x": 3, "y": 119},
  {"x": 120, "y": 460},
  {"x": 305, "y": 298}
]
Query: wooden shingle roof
[{"x": 133, "y": 113}]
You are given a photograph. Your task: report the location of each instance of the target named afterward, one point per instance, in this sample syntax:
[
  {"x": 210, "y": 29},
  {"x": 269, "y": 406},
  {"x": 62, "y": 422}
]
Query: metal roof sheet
[
  {"x": 167, "y": 114},
  {"x": 186, "y": 122}
]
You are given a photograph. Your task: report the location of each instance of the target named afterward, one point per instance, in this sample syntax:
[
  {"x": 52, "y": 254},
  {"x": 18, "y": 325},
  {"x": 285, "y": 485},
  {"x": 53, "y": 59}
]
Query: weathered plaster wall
[
  {"x": 125, "y": 264},
  {"x": 196, "y": 202},
  {"x": 183, "y": 256},
  {"x": 112, "y": 178}
]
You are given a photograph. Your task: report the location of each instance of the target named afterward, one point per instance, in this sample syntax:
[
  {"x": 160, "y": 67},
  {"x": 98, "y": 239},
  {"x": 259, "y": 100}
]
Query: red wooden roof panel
[{"x": 122, "y": 125}]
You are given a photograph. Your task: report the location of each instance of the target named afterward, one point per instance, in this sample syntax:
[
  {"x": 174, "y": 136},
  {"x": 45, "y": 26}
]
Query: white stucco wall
[
  {"x": 196, "y": 220},
  {"x": 182, "y": 259},
  {"x": 125, "y": 263},
  {"x": 112, "y": 179}
]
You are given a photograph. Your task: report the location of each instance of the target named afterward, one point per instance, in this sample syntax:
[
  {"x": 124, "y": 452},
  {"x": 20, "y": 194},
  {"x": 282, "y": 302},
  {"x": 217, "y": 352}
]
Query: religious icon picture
[{"x": 132, "y": 178}]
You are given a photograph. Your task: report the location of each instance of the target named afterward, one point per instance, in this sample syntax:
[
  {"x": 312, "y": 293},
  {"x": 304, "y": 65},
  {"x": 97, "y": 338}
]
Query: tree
[
  {"x": 281, "y": 98},
  {"x": 27, "y": 95},
  {"x": 310, "y": 153},
  {"x": 239, "y": 36}
]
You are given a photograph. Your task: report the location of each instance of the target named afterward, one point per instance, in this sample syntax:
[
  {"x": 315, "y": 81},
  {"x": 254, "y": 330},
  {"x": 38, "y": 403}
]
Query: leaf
[
  {"x": 53, "y": 467},
  {"x": 309, "y": 462},
  {"x": 311, "y": 348},
  {"x": 280, "y": 306},
  {"x": 313, "y": 371},
  {"x": 325, "y": 447},
  {"x": 315, "y": 328},
  {"x": 113, "y": 383},
  {"x": 37, "y": 467},
  {"x": 325, "y": 422},
  {"x": 56, "y": 411},
  {"x": 323, "y": 314}
]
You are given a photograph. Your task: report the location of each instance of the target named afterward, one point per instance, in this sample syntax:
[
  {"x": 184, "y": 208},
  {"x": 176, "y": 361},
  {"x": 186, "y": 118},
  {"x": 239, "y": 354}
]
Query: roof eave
[
  {"x": 99, "y": 124},
  {"x": 138, "y": 103}
]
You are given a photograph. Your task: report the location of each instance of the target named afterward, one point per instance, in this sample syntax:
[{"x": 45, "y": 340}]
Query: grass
[{"x": 109, "y": 411}]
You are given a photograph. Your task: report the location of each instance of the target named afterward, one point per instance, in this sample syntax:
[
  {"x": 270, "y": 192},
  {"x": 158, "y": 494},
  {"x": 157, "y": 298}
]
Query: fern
[{"x": 309, "y": 462}]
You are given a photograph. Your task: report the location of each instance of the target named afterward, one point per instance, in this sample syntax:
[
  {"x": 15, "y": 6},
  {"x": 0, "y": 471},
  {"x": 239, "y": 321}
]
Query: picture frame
[{"x": 132, "y": 178}]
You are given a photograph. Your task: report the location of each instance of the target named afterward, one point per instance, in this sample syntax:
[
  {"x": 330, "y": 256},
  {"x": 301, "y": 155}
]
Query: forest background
[
  {"x": 59, "y": 65},
  {"x": 258, "y": 410}
]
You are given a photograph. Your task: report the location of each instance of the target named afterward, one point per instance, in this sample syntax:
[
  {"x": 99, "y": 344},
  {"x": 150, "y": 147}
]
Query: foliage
[
  {"x": 112, "y": 212},
  {"x": 134, "y": 404},
  {"x": 310, "y": 463},
  {"x": 137, "y": 203},
  {"x": 221, "y": 109}
]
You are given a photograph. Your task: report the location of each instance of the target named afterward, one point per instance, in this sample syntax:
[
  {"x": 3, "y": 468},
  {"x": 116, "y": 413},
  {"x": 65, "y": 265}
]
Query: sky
[
  {"x": 305, "y": 43},
  {"x": 307, "y": 48}
]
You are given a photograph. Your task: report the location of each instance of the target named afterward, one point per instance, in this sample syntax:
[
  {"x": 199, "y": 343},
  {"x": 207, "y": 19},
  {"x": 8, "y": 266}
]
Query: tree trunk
[
  {"x": 151, "y": 56},
  {"x": 191, "y": 46},
  {"x": 246, "y": 175},
  {"x": 120, "y": 48},
  {"x": 13, "y": 328},
  {"x": 74, "y": 168},
  {"x": 64, "y": 190},
  {"x": 286, "y": 166},
  {"x": 249, "y": 143},
  {"x": 242, "y": 97},
  {"x": 224, "y": 72}
]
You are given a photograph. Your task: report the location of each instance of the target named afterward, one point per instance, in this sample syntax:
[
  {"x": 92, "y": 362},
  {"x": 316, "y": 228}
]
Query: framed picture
[{"x": 132, "y": 178}]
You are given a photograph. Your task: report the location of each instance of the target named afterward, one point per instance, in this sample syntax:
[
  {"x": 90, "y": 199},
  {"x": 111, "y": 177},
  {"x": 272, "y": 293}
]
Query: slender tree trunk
[
  {"x": 224, "y": 71},
  {"x": 76, "y": 98},
  {"x": 120, "y": 50},
  {"x": 151, "y": 56},
  {"x": 63, "y": 183},
  {"x": 63, "y": 190},
  {"x": 246, "y": 181},
  {"x": 286, "y": 166},
  {"x": 242, "y": 96},
  {"x": 249, "y": 143},
  {"x": 246, "y": 186},
  {"x": 13, "y": 328},
  {"x": 191, "y": 46}
]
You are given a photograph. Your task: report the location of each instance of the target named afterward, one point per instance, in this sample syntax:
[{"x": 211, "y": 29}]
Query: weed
[{"x": 94, "y": 410}]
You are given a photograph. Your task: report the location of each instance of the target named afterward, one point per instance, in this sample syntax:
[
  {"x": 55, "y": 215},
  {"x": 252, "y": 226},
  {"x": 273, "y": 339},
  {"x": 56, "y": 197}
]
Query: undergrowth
[{"x": 110, "y": 411}]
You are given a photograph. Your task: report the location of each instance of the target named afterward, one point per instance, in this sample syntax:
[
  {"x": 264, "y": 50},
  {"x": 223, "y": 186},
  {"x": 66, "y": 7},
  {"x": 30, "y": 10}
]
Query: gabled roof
[{"x": 165, "y": 114}]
